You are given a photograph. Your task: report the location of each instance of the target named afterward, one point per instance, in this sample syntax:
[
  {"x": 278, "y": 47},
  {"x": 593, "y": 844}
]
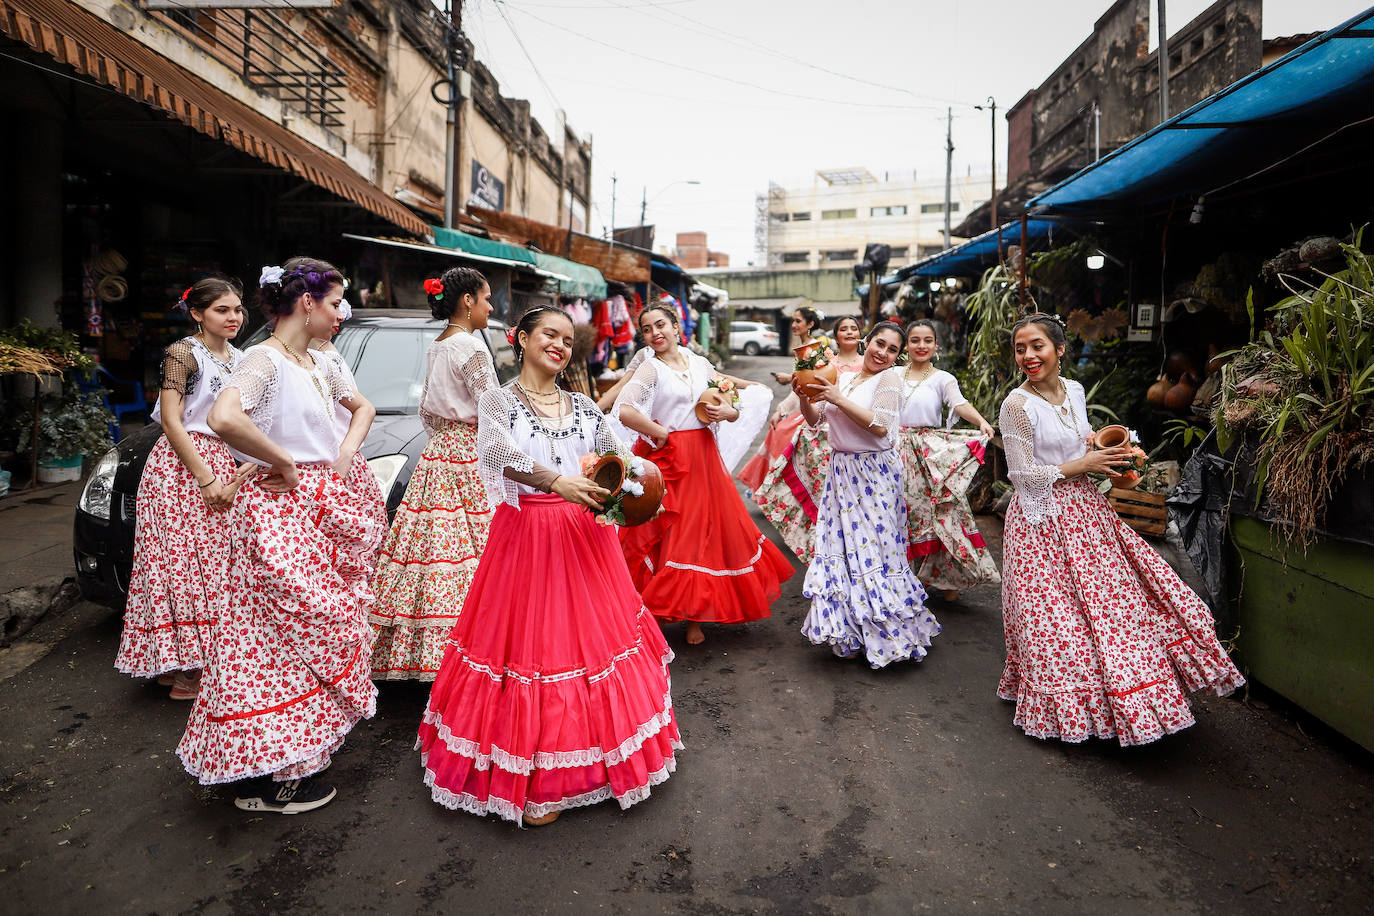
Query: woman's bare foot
[
  {"x": 950, "y": 594},
  {"x": 541, "y": 821},
  {"x": 694, "y": 635}
]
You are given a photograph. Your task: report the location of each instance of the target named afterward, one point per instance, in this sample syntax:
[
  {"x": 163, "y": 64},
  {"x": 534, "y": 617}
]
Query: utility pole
[
  {"x": 451, "y": 120},
  {"x": 949, "y": 165},
  {"x": 1163, "y": 63},
  {"x": 1097, "y": 131},
  {"x": 643, "y": 203},
  {"x": 613, "y": 181},
  {"x": 993, "y": 103}
]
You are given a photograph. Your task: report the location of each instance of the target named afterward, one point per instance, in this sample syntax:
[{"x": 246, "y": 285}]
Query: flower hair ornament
[
  {"x": 510, "y": 336},
  {"x": 270, "y": 276},
  {"x": 181, "y": 304},
  {"x": 345, "y": 310},
  {"x": 435, "y": 288}
]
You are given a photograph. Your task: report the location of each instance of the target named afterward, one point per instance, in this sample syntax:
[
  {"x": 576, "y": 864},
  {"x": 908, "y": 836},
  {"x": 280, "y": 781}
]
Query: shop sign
[{"x": 487, "y": 190}]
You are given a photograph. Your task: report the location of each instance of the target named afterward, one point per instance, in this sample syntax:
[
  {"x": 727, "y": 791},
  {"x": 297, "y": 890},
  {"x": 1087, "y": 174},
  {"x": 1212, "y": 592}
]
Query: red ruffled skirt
[
  {"x": 286, "y": 674},
  {"x": 778, "y": 438},
  {"x": 702, "y": 558},
  {"x": 1104, "y": 640},
  {"x": 181, "y": 563},
  {"x": 553, "y": 692}
]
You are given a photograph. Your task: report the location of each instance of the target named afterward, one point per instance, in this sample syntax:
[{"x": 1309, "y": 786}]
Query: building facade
[
  {"x": 828, "y": 224},
  {"x": 692, "y": 252}
]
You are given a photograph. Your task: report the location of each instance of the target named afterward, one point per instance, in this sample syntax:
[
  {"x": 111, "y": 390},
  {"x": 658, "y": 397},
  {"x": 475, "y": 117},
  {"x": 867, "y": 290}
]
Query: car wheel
[{"x": 751, "y": 349}]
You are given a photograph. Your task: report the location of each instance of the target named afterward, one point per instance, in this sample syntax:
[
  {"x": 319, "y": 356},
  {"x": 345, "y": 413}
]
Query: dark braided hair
[
  {"x": 458, "y": 282},
  {"x": 885, "y": 326},
  {"x": 1050, "y": 324},
  {"x": 529, "y": 321},
  {"x": 300, "y": 275},
  {"x": 205, "y": 291}
]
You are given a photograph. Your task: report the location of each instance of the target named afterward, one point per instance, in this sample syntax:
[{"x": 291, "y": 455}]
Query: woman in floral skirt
[
  {"x": 553, "y": 691},
  {"x": 701, "y": 560},
  {"x": 791, "y": 489},
  {"x": 286, "y": 677},
  {"x": 939, "y": 465},
  {"x": 430, "y": 555},
  {"x": 1103, "y": 638},
  {"x": 787, "y": 418},
  {"x": 359, "y": 478},
  {"x": 864, "y": 597},
  {"x": 182, "y": 538}
]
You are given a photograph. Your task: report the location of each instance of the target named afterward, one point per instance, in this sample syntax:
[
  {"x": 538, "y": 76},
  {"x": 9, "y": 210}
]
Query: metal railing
[{"x": 270, "y": 55}]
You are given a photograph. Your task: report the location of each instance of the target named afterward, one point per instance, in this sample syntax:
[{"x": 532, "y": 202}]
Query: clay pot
[
  {"x": 1179, "y": 364},
  {"x": 804, "y": 377},
  {"x": 608, "y": 472},
  {"x": 1112, "y": 436},
  {"x": 1180, "y": 397},
  {"x": 708, "y": 397},
  {"x": 1158, "y": 390},
  {"x": 639, "y": 509}
]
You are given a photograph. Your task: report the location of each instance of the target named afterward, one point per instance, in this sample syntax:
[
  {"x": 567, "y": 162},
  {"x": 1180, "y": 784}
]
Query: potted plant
[
  {"x": 1296, "y": 416},
  {"x": 71, "y": 424}
]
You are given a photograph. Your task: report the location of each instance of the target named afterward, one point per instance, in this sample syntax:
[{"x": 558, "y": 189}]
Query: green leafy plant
[
  {"x": 70, "y": 423},
  {"x": 1305, "y": 385},
  {"x": 1183, "y": 433},
  {"x": 992, "y": 309},
  {"x": 61, "y": 348}
]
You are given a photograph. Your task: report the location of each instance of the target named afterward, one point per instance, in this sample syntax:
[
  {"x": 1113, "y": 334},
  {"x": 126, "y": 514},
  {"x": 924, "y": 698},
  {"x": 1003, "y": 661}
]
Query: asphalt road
[{"x": 809, "y": 785}]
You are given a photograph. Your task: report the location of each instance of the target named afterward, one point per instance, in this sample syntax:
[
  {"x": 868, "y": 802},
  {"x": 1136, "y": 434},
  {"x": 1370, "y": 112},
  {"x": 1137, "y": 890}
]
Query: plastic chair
[{"x": 135, "y": 403}]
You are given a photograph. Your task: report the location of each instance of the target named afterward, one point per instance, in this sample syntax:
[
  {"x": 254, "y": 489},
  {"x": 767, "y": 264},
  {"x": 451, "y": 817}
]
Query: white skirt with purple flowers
[{"x": 864, "y": 596}]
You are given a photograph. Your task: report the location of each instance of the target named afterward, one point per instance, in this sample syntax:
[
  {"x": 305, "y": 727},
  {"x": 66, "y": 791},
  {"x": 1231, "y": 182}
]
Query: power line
[{"x": 500, "y": 8}]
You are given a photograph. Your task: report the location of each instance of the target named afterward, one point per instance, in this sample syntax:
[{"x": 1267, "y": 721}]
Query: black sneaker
[{"x": 294, "y": 796}]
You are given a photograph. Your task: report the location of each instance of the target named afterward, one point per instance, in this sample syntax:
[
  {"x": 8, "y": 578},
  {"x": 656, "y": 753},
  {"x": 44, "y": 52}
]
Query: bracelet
[{"x": 208, "y": 482}]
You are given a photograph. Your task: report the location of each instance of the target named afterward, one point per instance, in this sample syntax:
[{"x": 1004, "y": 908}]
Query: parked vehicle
[
  {"x": 753, "y": 338},
  {"x": 385, "y": 348}
]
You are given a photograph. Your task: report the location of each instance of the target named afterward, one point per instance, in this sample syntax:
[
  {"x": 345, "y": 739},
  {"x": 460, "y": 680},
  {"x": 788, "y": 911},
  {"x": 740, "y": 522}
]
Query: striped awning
[{"x": 103, "y": 54}]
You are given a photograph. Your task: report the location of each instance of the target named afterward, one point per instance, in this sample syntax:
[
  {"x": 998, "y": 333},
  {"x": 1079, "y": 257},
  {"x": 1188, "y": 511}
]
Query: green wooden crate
[{"x": 1307, "y": 629}]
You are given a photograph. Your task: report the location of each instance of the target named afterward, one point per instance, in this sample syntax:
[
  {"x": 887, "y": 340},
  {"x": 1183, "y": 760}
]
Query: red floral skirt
[
  {"x": 1103, "y": 638},
  {"x": 429, "y": 557},
  {"x": 181, "y": 563},
  {"x": 553, "y": 692},
  {"x": 702, "y": 558},
  {"x": 286, "y": 676}
]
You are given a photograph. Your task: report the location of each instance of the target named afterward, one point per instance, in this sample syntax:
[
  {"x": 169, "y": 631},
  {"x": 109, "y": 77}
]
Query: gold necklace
[
  {"x": 924, "y": 375},
  {"x": 300, "y": 362},
  {"x": 1060, "y": 410},
  {"x": 533, "y": 391}
]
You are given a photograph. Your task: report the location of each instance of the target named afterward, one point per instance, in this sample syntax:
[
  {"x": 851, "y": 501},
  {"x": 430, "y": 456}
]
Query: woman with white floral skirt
[
  {"x": 865, "y": 600},
  {"x": 1103, "y": 638}
]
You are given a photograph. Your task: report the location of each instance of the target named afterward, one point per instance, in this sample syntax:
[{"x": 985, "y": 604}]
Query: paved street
[{"x": 808, "y": 785}]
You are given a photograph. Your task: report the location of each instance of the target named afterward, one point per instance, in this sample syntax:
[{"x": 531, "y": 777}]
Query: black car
[{"x": 385, "y": 348}]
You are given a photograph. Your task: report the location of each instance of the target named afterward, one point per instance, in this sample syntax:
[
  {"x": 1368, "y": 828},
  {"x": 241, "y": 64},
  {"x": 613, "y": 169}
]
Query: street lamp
[
  {"x": 993, "y": 224},
  {"x": 645, "y": 200}
]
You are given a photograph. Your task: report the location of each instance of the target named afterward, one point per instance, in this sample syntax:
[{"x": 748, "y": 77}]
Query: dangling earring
[
  {"x": 307, "y": 317},
  {"x": 200, "y": 328}
]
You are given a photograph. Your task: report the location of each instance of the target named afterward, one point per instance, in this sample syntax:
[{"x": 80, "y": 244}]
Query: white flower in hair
[
  {"x": 270, "y": 275},
  {"x": 345, "y": 310}
]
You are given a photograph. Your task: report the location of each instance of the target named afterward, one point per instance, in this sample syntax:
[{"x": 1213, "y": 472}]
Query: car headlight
[
  {"x": 386, "y": 468},
  {"x": 99, "y": 489}
]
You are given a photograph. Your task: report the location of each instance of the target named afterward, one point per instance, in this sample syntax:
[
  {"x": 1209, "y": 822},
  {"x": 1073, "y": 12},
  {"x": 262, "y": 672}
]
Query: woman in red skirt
[
  {"x": 181, "y": 538},
  {"x": 702, "y": 559},
  {"x": 287, "y": 675},
  {"x": 1103, "y": 638},
  {"x": 430, "y": 554},
  {"x": 553, "y": 692}
]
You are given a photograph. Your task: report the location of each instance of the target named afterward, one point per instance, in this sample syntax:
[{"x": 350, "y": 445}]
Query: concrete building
[
  {"x": 693, "y": 253},
  {"x": 828, "y": 224},
  {"x": 1106, "y": 93}
]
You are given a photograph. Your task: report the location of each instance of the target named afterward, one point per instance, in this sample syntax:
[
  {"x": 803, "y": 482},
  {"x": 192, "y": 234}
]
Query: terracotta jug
[
  {"x": 1180, "y": 397},
  {"x": 709, "y": 396},
  {"x": 639, "y": 509},
  {"x": 1158, "y": 390}
]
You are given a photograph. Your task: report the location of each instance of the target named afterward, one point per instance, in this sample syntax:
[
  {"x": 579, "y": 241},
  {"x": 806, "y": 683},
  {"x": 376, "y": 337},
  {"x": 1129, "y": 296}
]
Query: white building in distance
[{"x": 828, "y": 224}]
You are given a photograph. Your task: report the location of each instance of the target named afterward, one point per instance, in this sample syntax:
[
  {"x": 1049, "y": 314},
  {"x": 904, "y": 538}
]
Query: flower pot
[
  {"x": 639, "y": 509},
  {"x": 59, "y": 470},
  {"x": 708, "y": 397},
  {"x": 1117, "y": 436},
  {"x": 804, "y": 377}
]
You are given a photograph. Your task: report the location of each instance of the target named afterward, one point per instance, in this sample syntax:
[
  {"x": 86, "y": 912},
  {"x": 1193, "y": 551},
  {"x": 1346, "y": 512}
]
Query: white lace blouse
[
  {"x": 1038, "y": 437},
  {"x": 666, "y": 396},
  {"x": 291, "y": 405},
  {"x": 924, "y": 402},
  {"x": 190, "y": 369},
  {"x": 458, "y": 370},
  {"x": 511, "y": 436},
  {"x": 881, "y": 393}
]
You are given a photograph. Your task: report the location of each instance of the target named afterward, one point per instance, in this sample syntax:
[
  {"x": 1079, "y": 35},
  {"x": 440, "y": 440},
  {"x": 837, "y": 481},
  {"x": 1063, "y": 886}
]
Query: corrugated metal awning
[{"x": 103, "y": 54}]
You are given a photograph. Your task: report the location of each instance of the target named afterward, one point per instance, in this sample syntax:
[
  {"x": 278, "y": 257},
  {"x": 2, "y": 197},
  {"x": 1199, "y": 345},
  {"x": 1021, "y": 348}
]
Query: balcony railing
[{"x": 270, "y": 55}]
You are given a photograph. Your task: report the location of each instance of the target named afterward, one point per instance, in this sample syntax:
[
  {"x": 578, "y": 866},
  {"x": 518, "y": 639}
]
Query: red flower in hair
[
  {"x": 186, "y": 295},
  {"x": 510, "y": 336},
  {"x": 434, "y": 287}
]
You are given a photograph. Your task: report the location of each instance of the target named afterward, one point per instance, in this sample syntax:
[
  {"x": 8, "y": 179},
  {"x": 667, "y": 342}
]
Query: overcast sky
[{"x": 733, "y": 93}]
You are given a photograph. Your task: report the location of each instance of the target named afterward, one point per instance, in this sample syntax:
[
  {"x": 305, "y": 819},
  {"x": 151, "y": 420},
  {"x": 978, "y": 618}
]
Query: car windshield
[{"x": 388, "y": 363}]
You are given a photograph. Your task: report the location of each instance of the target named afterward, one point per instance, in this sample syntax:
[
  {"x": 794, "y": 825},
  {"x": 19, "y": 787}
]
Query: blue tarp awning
[
  {"x": 1255, "y": 123},
  {"x": 979, "y": 253}
]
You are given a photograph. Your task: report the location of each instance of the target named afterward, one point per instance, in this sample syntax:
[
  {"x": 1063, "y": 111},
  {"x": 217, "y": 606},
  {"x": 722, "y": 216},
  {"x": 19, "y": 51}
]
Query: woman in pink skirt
[
  {"x": 287, "y": 674},
  {"x": 938, "y": 464},
  {"x": 181, "y": 537},
  {"x": 431, "y": 552},
  {"x": 553, "y": 692},
  {"x": 1103, "y": 638},
  {"x": 787, "y": 418}
]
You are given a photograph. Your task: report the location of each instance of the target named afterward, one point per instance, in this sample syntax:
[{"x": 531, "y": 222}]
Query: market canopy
[
  {"x": 483, "y": 249},
  {"x": 977, "y": 254},
  {"x": 1309, "y": 95},
  {"x": 573, "y": 278}
]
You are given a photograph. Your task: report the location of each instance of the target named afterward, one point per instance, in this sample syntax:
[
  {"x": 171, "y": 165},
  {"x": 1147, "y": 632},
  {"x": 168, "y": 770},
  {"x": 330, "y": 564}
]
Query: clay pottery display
[
  {"x": 1180, "y": 397},
  {"x": 639, "y": 509},
  {"x": 708, "y": 397},
  {"x": 1158, "y": 390}
]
